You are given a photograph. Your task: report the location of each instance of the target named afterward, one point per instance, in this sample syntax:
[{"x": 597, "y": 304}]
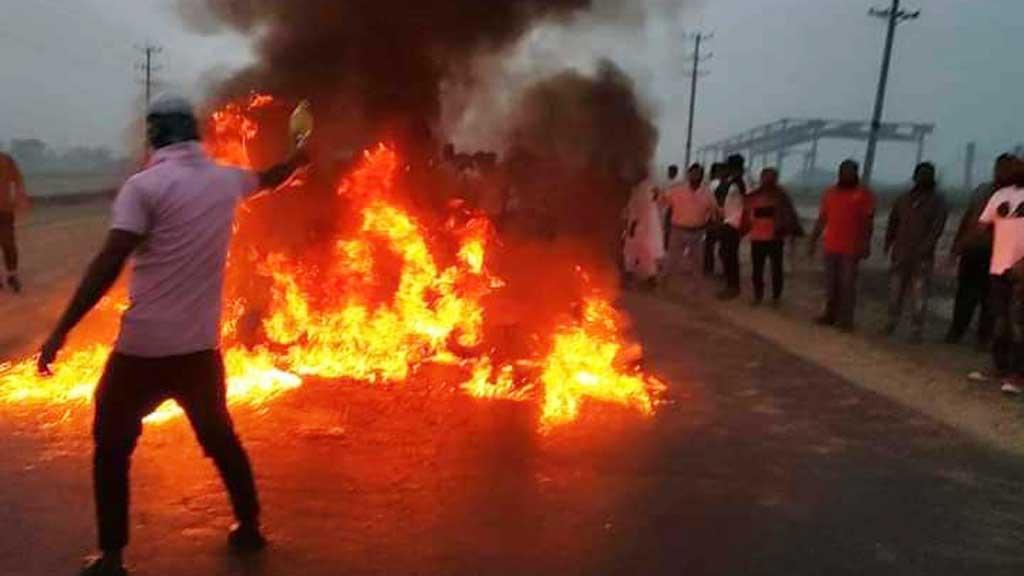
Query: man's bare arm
[
  {"x": 99, "y": 277},
  {"x": 819, "y": 229},
  {"x": 275, "y": 176}
]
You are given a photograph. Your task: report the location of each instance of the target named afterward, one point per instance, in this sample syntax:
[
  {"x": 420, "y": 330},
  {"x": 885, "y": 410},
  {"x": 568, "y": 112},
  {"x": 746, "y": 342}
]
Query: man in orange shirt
[
  {"x": 12, "y": 198},
  {"x": 847, "y": 220},
  {"x": 769, "y": 219}
]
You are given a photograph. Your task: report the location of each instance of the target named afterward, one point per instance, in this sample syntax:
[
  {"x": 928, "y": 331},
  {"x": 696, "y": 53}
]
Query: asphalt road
[{"x": 758, "y": 463}]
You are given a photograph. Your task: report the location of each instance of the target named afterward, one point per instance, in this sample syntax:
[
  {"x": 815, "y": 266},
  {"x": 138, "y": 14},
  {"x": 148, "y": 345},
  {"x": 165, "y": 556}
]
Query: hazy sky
[{"x": 68, "y": 68}]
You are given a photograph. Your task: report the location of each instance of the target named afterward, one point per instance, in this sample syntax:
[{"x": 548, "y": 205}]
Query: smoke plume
[
  {"x": 590, "y": 138},
  {"x": 373, "y": 64}
]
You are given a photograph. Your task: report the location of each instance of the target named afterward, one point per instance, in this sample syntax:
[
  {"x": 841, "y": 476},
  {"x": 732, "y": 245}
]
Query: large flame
[{"x": 385, "y": 303}]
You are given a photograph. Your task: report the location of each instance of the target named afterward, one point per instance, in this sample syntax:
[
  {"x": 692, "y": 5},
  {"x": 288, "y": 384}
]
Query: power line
[
  {"x": 696, "y": 59},
  {"x": 895, "y": 16}
]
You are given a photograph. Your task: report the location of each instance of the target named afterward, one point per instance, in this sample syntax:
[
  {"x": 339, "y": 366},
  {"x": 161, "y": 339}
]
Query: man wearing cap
[{"x": 174, "y": 219}]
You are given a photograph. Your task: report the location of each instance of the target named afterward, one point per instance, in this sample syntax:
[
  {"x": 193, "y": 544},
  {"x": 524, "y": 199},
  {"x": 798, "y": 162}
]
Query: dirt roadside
[
  {"x": 929, "y": 377},
  {"x": 55, "y": 245}
]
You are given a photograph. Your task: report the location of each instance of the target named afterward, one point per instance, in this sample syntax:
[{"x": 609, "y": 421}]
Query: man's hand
[
  {"x": 100, "y": 276},
  {"x": 48, "y": 353}
]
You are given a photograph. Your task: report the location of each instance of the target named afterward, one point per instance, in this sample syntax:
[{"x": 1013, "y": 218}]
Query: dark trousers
[
  {"x": 841, "y": 288},
  {"x": 910, "y": 281},
  {"x": 710, "y": 249},
  {"x": 760, "y": 252},
  {"x": 1008, "y": 344},
  {"x": 729, "y": 252},
  {"x": 7, "y": 241},
  {"x": 131, "y": 388},
  {"x": 972, "y": 293}
]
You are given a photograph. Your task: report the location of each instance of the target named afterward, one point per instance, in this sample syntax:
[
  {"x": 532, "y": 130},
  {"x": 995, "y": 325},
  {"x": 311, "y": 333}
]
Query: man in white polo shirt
[
  {"x": 174, "y": 219},
  {"x": 1005, "y": 212}
]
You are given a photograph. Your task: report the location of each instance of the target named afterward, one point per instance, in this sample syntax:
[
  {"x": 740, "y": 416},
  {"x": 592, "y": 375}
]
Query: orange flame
[{"x": 353, "y": 318}]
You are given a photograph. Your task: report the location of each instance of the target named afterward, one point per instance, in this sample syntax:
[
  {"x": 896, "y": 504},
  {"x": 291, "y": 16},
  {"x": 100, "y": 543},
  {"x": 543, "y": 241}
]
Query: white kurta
[{"x": 644, "y": 236}]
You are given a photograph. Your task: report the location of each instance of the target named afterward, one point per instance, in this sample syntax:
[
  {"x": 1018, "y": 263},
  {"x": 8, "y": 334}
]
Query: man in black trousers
[
  {"x": 972, "y": 247},
  {"x": 733, "y": 190},
  {"x": 174, "y": 220}
]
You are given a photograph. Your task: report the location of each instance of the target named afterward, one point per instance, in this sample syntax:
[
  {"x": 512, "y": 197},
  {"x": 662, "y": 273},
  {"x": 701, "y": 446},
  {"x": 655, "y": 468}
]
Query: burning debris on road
[{"x": 389, "y": 292}]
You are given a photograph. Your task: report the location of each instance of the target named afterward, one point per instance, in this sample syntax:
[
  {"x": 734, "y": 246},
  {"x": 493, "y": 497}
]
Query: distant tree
[{"x": 32, "y": 154}]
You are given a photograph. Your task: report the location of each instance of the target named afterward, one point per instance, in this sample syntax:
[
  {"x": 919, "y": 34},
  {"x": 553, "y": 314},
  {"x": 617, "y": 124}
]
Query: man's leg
[
  {"x": 777, "y": 253},
  {"x": 694, "y": 252},
  {"x": 202, "y": 395},
  {"x": 1017, "y": 332},
  {"x": 1000, "y": 294},
  {"x": 831, "y": 312},
  {"x": 899, "y": 280},
  {"x": 967, "y": 298},
  {"x": 758, "y": 255},
  {"x": 734, "y": 260},
  {"x": 729, "y": 250},
  {"x": 125, "y": 395},
  {"x": 920, "y": 290},
  {"x": 710, "y": 241},
  {"x": 9, "y": 246},
  {"x": 676, "y": 246},
  {"x": 848, "y": 271},
  {"x": 984, "y": 283}
]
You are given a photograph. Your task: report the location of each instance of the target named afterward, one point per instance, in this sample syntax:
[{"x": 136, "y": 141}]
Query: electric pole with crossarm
[
  {"x": 696, "y": 73},
  {"x": 895, "y": 16},
  {"x": 149, "y": 68}
]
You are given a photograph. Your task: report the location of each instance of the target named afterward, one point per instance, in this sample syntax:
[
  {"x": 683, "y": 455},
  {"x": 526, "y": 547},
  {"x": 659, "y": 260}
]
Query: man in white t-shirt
[
  {"x": 174, "y": 220},
  {"x": 1005, "y": 213},
  {"x": 691, "y": 209},
  {"x": 730, "y": 194}
]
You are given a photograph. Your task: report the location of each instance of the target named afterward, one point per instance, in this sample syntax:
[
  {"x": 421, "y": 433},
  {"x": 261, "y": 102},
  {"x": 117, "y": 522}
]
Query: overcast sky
[{"x": 68, "y": 68}]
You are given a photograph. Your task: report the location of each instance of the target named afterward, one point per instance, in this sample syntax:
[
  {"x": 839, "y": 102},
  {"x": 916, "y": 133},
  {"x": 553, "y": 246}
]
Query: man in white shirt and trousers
[
  {"x": 691, "y": 209},
  {"x": 733, "y": 188},
  {"x": 644, "y": 238}
]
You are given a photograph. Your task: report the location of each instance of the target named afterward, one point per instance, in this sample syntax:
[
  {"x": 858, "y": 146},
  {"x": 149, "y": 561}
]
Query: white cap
[{"x": 167, "y": 104}]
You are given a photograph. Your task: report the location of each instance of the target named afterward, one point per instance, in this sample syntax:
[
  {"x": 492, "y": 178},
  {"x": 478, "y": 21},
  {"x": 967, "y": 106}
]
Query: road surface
[{"x": 759, "y": 462}]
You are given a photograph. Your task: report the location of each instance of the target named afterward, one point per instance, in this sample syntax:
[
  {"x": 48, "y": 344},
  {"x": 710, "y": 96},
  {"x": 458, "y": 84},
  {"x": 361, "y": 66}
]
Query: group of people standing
[{"x": 693, "y": 227}]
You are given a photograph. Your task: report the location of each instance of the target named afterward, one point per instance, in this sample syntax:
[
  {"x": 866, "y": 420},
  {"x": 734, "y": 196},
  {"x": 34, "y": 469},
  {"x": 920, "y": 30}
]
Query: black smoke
[
  {"x": 577, "y": 143},
  {"x": 375, "y": 66}
]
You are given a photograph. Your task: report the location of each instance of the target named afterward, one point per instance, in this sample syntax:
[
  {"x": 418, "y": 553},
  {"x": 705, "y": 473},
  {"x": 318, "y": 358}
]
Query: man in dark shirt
[
  {"x": 972, "y": 247},
  {"x": 915, "y": 226}
]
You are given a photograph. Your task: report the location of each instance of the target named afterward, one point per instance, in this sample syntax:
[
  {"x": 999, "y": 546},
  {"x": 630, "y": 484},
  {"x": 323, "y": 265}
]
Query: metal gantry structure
[{"x": 770, "y": 144}]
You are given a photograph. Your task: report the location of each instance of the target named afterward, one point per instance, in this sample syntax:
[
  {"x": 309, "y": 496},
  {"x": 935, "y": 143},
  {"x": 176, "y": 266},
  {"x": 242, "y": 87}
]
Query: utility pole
[
  {"x": 695, "y": 73},
  {"x": 895, "y": 16},
  {"x": 970, "y": 152},
  {"x": 149, "y": 68}
]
